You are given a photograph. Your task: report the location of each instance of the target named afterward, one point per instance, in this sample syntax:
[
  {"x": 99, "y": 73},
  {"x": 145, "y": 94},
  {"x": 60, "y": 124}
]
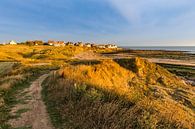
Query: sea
[{"x": 187, "y": 49}]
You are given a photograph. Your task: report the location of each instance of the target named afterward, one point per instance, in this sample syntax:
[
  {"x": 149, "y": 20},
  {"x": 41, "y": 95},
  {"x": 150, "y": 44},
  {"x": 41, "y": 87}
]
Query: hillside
[
  {"x": 130, "y": 93},
  {"x": 89, "y": 90}
]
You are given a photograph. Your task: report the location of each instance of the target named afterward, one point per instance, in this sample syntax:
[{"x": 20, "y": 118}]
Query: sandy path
[{"x": 35, "y": 115}]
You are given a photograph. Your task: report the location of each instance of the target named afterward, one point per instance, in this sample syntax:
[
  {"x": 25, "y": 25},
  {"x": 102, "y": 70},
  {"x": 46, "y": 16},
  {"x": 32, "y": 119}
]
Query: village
[{"x": 62, "y": 44}]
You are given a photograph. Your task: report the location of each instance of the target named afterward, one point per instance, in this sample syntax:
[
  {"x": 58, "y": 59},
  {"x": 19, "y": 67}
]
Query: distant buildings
[
  {"x": 62, "y": 43},
  {"x": 111, "y": 46},
  {"x": 12, "y": 42},
  {"x": 88, "y": 45},
  {"x": 56, "y": 43}
]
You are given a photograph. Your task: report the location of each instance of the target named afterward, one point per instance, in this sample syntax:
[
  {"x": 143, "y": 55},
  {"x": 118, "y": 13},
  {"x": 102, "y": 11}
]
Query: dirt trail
[{"x": 32, "y": 112}]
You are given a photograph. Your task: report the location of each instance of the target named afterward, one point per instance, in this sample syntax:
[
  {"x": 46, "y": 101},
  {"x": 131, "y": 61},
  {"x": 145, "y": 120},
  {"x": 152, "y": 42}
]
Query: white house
[
  {"x": 112, "y": 46},
  {"x": 87, "y": 45},
  {"x": 12, "y": 42}
]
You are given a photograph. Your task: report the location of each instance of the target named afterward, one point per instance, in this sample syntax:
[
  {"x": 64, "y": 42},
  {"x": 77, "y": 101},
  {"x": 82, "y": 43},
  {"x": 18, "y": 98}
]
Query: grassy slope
[
  {"x": 119, "y": 94},
  {"x": 17, "y": 70},
  {"x": 102, "y": 94}
]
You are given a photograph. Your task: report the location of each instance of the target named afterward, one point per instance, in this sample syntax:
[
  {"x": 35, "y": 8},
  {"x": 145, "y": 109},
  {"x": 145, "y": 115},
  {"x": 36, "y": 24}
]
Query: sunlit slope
[
  {"x": 111, "y": 94},
  {"x": 35, "y": 54}
]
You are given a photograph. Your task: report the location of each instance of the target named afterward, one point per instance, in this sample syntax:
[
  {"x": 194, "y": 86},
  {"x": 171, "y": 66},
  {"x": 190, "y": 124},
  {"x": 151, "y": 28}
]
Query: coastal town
[{"x": 62, "y": 44}]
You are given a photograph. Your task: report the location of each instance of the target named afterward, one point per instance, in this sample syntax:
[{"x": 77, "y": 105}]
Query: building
[
  {"x": 56, "y": 43},
  {"x": 59, "y": 44},
  {"x": 112, "y": 46},
  {"x": 51, "y": 42},
  {"x": 101, "y": 46},
  {"x": 12, "y": 42},
  {"x": 88, "y": 45}
]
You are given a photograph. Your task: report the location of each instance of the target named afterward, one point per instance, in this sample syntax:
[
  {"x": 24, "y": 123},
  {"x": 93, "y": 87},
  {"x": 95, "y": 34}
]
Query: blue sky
[{"x": 126, "y": 22}]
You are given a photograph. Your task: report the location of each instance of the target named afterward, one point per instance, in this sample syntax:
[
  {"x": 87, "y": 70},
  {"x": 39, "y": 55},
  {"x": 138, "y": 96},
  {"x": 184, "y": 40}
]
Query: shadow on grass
[
  {"x": 76, "y": 94},
  {"x": 128, "y": 64},
  {"x": 85, "y": 62}
]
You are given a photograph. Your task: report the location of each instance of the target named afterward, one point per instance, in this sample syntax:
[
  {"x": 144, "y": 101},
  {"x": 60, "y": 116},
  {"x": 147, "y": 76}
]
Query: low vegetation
[
  {"x": 14, "y": 77},
  {"x": 186, "y": 72},
  {"x": 113, "y": 94}
]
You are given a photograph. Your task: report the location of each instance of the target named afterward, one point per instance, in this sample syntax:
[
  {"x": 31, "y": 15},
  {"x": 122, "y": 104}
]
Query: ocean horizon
[{"x": 188, "y": 49}]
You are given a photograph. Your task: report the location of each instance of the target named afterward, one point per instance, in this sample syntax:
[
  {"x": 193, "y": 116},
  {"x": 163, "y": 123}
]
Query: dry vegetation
[
  {"x": 21, "y": 64},
  {"x": 107, "y": 94},
  {"x": 36, "y": 54},
  {"x": 118, "y": 94},
  {"x": 39, "y": 54}
]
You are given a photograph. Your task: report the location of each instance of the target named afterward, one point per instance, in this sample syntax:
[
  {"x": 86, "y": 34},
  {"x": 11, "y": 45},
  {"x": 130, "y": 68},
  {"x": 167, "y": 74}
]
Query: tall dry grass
[
  {"x": 37, "y": 54},
  {"x": 116, "y": 95}
]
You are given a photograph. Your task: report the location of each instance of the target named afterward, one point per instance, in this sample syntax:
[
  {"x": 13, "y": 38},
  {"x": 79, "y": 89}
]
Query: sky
[{"x": 124, "y": 22}]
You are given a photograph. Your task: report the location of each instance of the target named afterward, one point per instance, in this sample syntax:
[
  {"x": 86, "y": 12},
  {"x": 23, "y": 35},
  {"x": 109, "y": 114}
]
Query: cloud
[
  {"x": 157, "y": 21},
  {"x": 137, "y": 11}
]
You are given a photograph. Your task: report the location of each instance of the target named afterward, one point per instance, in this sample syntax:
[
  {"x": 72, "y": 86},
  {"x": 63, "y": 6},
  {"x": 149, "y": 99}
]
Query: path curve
[{"x": 36, "y": 117}]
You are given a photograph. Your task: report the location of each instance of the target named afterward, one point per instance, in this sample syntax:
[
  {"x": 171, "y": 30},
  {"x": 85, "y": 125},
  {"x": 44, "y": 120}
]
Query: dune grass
[
  {"x": 39, "y": 54},
  {"x": 109, "y": 94},
  {"x": 117, "y": 95}
]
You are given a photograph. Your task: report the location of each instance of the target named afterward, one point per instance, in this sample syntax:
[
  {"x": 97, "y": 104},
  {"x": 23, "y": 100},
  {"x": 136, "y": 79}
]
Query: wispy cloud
[
  {"x": 138, "y": 10},
  {"x": 158, "y": 21}
]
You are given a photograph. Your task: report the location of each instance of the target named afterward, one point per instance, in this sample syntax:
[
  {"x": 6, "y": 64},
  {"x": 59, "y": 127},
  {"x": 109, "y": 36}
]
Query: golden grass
[
  {"x": 117, "y": 94},
  {"x": 42, "y": 54},
  {"x": 35, "y": 54}
]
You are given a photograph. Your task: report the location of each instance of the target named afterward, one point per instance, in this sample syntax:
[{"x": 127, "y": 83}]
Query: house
[
  {"x": 12, "y": 42},
  {"x": 88, "y": 45},
  {"x": 112, "y": 46},
  {"x": 56, "y": 43},
  {"x": 59, "y": 44},
  {"x": 51, "y": 42},
  {"x": 101, "y": 46}
]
